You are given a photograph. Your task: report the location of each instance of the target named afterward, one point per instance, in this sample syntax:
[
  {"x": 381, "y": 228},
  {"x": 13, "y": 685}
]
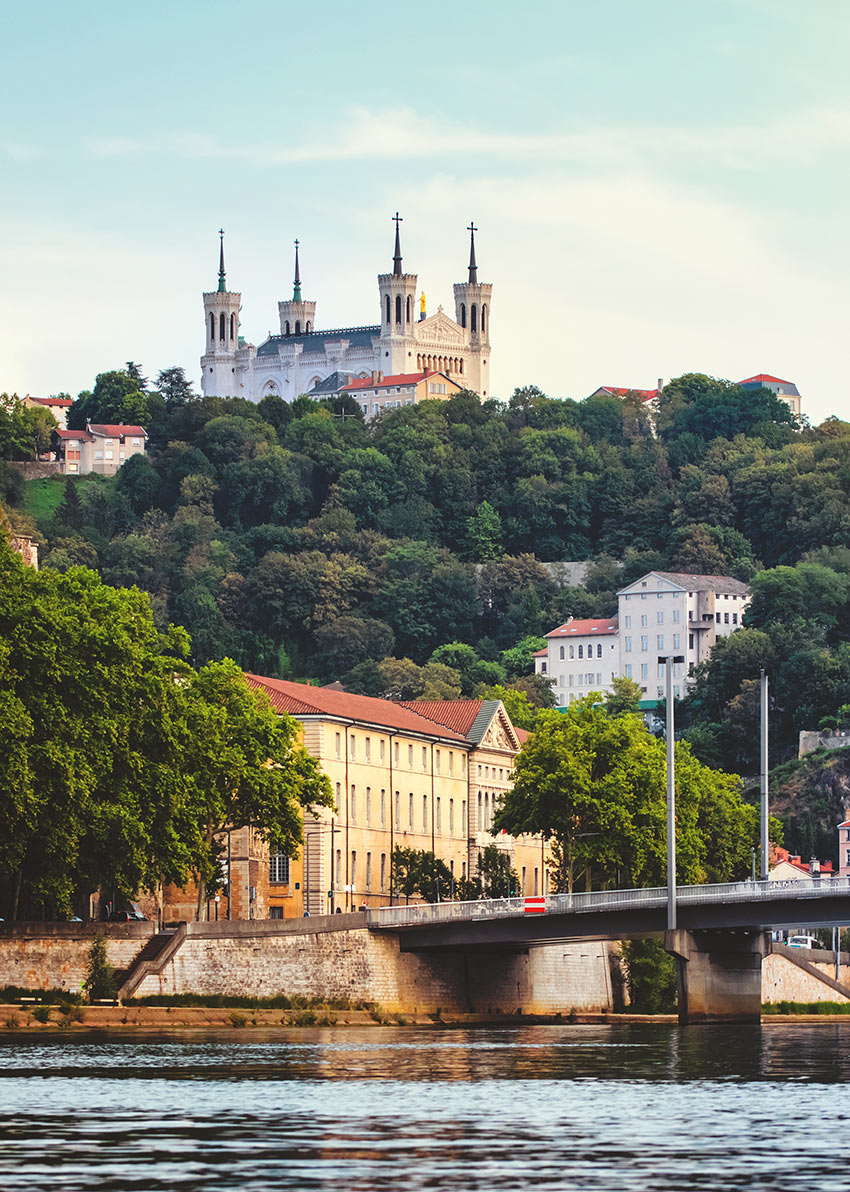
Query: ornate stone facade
[{"x": 300, "y": 357}]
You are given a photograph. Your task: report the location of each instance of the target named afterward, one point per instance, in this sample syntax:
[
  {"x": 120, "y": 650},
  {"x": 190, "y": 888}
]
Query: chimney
[
  {"x": 376, "y": 377},
  {"x": 660, "y": 384}
]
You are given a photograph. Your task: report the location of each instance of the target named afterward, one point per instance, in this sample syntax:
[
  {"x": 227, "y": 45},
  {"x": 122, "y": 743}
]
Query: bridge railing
[{"x": 431, "y": 914}]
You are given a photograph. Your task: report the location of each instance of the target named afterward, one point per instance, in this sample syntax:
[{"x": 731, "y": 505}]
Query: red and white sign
[{"x": 535, "y": 906}]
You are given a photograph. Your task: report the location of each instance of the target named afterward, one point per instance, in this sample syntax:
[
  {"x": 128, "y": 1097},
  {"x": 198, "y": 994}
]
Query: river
[{"x": 539, "y": 1107}]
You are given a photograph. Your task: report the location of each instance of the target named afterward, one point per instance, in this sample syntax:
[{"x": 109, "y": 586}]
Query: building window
[
  {"x": 437, "y": 761},
  {"x": 424, "y": 813},
  {"x": 659, "y": 641},
  {"x": 628, "y": 670},
  {"x": 451, "y": 762},
  {"x": 562, "y": 652},
  {"x": 410, "y": 756},
  {"x": 353, "y": 803},
  {"x": 410, "y": 811},
  {"x": 368, "y": 804},
  {"x": 644, "y": 642},
  {"x": 572, "y": 679},
  {"x": 368, "y": 871},
  {"x": 734, "y": 618},
  {"x": 660, "y": 617},
  {"x": 396, "y": 752},
  {"x": 451, "y": 817},
  {"x": 353, "y": 874},
  {"x": 644, "y": 621},
  {"x": 437, "y": 816},
  {"x": 628, "y": 620},
  {"x": 279, "y": 869},
  {"x": 398, "y": 308},
  {"x": 677, "y": 638},
  {"x": 463, "y": 314},
  {"x": 383, "y": 872},
  {"x": 717, "y": 618},
  {"x": 338, "y": 867},
  {"x": 675, "y": 616},
  {"x": 726, "y": 618},
  {"x": 572, "y": 653},
  {"x": 581, "y": 651},
  {"x": 690, "y": 641},
  {"x": 382, "y": 749},
  {"x": 353, "y": 744},
  {"x": 628, "y": 645},
  {"x": 398, "y": 811},
  {"x": 275, "y": 912},
  {"x": 383, "y": 807},
  {"x": 599, "y": 649},
  {"x": 644, "y": 670},
  {"x": 368, "y": 749}
]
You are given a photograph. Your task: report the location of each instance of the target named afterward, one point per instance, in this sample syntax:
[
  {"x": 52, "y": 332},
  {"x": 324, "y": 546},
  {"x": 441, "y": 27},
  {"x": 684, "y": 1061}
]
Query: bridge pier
[{"x": 719, "y": 974}]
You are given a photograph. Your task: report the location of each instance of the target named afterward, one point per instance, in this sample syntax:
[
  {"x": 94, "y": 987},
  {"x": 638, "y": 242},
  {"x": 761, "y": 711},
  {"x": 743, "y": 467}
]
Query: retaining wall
[{"x": 55, "y": 955}]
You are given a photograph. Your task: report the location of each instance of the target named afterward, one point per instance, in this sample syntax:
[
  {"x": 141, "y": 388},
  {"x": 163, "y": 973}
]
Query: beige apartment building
[
  {"x": 414, "y": 775},
  {"x": 100, "y": 448}
]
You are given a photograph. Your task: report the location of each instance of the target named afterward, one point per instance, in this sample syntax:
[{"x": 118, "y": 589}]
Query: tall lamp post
[
  {"x": 308, "y": 836},
  {"x": 669, "y": 661},
  {"x": 763, "y": 780}
]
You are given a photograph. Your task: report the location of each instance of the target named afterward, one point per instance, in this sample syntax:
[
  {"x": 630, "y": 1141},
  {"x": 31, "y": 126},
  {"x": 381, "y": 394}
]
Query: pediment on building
[
  {"x": 500, "y": 734},
  {"x": 439, "y": 329}
]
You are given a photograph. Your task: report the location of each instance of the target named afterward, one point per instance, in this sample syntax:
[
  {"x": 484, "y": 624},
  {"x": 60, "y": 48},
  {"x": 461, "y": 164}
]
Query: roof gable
[{"x": 590, "y": 627}]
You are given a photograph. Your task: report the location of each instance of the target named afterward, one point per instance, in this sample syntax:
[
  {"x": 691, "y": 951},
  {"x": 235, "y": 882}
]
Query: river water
[{"x": 538, "y": 1107}]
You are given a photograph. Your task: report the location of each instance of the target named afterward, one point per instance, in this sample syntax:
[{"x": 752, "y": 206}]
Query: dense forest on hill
[{"x": 406, "y": 555}]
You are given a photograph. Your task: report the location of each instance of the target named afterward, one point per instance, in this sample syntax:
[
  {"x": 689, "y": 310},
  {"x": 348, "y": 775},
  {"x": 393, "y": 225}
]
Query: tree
[
  {"x": 497, "y": 878},
  {"x": 596, "y": 786},
  {"x": 100, "y": 975},
  {"x": 176, "y": 390},
  {"x": 519, "y": 659},
  {"x": 420, "y": 872},
  {"x": 625, "y": 696},
  {"x": 484, "y": 531},
  {"x": 117, "y": 397}
]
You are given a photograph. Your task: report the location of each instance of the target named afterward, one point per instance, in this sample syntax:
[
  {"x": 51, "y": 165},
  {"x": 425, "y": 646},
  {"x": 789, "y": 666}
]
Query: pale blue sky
[{"x": 659, "y": 184}]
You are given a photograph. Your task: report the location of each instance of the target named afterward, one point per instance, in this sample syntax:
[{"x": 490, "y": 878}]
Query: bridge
[{"x": 723, "y": 930}]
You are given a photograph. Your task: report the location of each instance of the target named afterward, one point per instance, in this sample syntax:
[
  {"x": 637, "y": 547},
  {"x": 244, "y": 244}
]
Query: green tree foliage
[
  {"x": 495, "y": 876},
  {"x": 419, "y": 873},
  {"x": 596, "y": 785},
  {"x": 117, "y": 397},
  {"x": 650, "y": 977},
  {"x": 100, "y": 975},
  {"x": 625, "y": 696},
  {"x": 119, "y": 762}
]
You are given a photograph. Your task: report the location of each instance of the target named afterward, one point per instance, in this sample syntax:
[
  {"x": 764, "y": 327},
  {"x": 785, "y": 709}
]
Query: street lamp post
[
  {"x": 308, "y": 836},
  {"x": 669, "y": 662},
  {"x": 763, "y": 781}
]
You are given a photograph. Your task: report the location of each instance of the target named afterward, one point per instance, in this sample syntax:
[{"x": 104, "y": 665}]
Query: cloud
[{"x": 372, "y": 134}]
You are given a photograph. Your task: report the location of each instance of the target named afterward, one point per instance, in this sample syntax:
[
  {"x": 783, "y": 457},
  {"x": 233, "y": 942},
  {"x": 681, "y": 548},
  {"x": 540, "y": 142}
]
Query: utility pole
[
  {"x": 669, "y": 663},
  {"x": 764, "y": 809}
]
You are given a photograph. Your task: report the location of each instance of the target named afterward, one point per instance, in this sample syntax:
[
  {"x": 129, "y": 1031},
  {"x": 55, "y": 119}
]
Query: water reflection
[{"x": 551, "y": 1107}]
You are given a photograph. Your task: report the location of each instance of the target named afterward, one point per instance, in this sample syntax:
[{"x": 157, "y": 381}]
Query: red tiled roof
[
  {"x": 301, "y": 699},
  {"x": 544, "y": 653},
  {"x": 522, "y": 734},
  {"x": 394, "y": 380},
  {"x": 762, "y": 378},
  {"x": 53, "y": 401},
  {"x": 586, "y": 628},
  {"x": 456, "y": 714},
  {"x": 397, "y": 379},
  {"x": 646, "y": 394},
  {"x": 82, "y": 435},
  {"x": 115, "y": 429}
]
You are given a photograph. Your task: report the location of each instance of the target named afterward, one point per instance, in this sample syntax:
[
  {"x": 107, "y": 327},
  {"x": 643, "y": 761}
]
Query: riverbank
[{"x": 156, "y": 1018}]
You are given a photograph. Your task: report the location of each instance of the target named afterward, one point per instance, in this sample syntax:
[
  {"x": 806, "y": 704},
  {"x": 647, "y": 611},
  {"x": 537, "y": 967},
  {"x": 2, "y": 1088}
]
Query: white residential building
[{"x": 662, "y": 614}]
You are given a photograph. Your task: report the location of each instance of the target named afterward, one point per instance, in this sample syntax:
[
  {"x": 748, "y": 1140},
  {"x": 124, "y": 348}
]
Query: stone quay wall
[
  {"x": 55, "y": 955},
  {"x": 325, "y": 957}
]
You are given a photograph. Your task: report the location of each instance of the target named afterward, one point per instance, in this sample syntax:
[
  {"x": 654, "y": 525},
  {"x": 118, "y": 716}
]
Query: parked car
[
  {"x": 127, "y": 917},
  {"x": 803, "y": 941}
]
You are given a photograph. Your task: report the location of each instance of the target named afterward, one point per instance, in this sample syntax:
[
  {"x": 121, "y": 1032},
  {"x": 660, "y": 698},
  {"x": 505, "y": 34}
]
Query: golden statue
[{"x": 422, "y": 303}]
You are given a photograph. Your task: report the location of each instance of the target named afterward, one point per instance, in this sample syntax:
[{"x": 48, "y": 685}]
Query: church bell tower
[
  {"x": 221, "y": 319},
  {"x": 397, "y": 292},
  {"x": 472, "y": 312},
  {"x": 297, "y": 317}
]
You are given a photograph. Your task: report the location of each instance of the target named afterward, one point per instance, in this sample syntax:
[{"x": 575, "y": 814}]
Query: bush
[
  {"x": 650, "y": 977},
  {"x": 41, "y": 1013},
  {"x": 54, "y": 997},
  {"x": 100, "y": 975}
]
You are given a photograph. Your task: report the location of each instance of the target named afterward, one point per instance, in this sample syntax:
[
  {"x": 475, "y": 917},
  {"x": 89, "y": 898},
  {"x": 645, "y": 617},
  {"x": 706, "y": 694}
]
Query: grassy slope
[{"x": 42, "y": 497}]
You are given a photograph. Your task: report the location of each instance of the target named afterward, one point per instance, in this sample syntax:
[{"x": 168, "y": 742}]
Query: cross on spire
[
  {"x": 397, "y": 219},
  {"x": 473, "y": 267},
  {"x": 296, "y": 291},
  {"x": 222, "y": 285}
]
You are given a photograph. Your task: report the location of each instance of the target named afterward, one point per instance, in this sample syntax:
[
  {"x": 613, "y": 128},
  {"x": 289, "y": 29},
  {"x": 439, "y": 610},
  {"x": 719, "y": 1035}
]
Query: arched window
[
  {"x": 388, "y": 309},
  {"x": 297, "y": 326},
  {"x": 408, "y": 308},
  {"x": 463, "y": 314},
  {"x": 212, "y": 327},
  {"x": 461, "y": 366},
  {"x": 287, "y": 326},
  {"x": 233, "y": 327},
  {"x": 483, "y": 319},
  {"x": 572, "y": 652},
  {"x": 473, "y": 318},
  {"x": 398, "y": 308},
  {"x": 221, "y": 326},
  {"x": 599, "y": 650},
  {"x": 562, "y": 651},
  {"x": 581, "y": 651},
  {"x": 307, "y": 328}
]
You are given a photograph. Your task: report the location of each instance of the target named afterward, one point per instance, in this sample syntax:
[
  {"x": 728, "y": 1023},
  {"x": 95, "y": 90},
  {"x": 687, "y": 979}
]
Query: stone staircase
[
  {"x": 794, "y": 955},
  {"x": 152, "y": 958}
]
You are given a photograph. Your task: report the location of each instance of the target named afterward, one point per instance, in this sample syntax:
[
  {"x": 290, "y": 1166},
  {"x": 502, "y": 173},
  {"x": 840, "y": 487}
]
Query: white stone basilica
[{"x": 302, "y": 359}]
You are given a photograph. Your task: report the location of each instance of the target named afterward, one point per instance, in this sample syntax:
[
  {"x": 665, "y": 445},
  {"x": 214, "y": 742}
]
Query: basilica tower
[
  {"x": 472, "y": 311},
  {"x": 221, "y": 318},
  {"x": 297, "y": 317},
  {"x": 397, "y": 292}
]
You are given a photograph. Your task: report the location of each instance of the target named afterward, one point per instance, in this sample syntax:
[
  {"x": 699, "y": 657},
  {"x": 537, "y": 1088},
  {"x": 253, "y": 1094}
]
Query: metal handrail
[{"x": 432, "y": 914}]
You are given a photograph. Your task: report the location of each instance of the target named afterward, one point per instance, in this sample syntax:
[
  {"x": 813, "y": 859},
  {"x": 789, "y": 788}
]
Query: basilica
[{"x": 303, "y": 359}]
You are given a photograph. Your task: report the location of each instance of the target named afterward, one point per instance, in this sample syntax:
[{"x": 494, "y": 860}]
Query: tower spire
[
  {"x": 397, "y": 256},
  {"x": 296, "y": 290},
  {"x": 473, "y": 267},
  {"x": 222, "y": 285}
]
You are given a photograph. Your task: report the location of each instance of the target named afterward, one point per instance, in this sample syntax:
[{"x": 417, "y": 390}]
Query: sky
[{"x": 659, "y": 185}]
